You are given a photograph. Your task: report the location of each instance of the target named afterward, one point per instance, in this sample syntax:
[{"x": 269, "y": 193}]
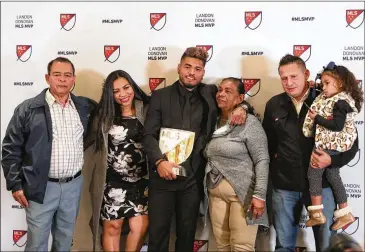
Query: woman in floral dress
[{"x": 119, "y": 181}]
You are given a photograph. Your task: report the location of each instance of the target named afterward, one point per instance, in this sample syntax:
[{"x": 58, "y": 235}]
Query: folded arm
[{"x": 337, "y": 122}]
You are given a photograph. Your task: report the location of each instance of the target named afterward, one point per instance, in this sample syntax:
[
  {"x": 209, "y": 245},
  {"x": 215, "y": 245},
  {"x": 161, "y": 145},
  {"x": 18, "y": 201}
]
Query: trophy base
[{"x": 179, "y": 171}]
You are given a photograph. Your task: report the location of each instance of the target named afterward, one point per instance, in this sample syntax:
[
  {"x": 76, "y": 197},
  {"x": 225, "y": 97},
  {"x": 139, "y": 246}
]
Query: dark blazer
[{"x": 165, "y": 111}]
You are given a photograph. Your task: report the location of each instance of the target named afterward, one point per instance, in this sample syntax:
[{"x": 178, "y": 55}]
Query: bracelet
[{"x": 159, "y": 161}]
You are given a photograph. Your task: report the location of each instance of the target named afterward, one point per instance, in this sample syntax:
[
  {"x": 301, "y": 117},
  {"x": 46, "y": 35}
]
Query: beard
[{"x": 188, "y": 85}]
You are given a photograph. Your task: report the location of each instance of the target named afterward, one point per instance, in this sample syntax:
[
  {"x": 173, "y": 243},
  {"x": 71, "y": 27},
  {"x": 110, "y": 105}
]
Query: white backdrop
[{"x": 147, "y": 40}]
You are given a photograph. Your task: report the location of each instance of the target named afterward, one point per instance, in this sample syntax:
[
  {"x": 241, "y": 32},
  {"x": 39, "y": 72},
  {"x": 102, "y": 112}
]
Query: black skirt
[{"x": 124, "y": 200}]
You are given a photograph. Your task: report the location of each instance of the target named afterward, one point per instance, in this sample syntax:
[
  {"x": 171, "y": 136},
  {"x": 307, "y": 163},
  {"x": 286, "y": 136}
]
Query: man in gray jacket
[{"x": 42, "y": 157}]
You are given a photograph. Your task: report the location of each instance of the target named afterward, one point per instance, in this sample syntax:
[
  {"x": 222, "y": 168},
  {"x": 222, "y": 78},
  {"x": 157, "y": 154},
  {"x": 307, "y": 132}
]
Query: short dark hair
[
  {"x": 196, "y": 52},
  {"x": 241, "y": 90},
  {"x": 60, "y": 59},
  {"x": 290, "y": 59},
  {"x": 238, "y": 82}
]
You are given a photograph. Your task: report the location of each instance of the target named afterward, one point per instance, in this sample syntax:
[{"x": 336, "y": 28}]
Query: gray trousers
[
  {"x": 57, "y": 215},
  {"x": 333, "y": 177}
]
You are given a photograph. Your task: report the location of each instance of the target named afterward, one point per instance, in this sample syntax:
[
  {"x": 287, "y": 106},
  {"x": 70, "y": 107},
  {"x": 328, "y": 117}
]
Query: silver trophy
[{"x": 177, "y": 146}]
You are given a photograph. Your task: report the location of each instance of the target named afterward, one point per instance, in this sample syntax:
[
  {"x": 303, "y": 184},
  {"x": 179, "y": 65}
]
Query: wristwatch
[{"x": 244, "y": 106}]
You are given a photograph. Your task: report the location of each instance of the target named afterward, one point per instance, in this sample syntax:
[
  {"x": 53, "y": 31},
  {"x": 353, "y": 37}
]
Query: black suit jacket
[{"x": 165, "y": 111}]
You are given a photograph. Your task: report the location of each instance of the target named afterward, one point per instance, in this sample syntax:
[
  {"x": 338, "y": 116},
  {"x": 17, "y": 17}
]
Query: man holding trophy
[{"x": 179, "y": 121}]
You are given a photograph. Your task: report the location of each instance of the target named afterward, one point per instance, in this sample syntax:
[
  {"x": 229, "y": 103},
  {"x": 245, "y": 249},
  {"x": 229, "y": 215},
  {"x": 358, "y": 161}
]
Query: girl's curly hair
[{"x": 347, "y": 80}]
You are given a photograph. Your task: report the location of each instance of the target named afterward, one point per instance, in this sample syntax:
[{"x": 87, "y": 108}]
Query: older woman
[{"x": 236, "y": 174}]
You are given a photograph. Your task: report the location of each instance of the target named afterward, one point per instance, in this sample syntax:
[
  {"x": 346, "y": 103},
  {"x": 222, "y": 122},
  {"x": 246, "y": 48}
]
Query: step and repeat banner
[{"x": 147, "y": 39}]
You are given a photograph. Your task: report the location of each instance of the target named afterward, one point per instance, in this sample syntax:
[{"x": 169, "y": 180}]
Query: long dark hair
[
  {"x": 349, "y": 83},
  {"x": 107, "y": 109}
]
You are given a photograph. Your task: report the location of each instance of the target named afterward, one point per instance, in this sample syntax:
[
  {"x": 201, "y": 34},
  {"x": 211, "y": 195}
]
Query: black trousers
[{"x": 162, "y": 204}]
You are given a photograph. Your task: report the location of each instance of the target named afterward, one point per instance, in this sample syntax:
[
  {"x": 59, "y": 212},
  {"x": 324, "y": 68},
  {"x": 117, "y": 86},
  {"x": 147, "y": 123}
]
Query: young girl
[{"x": 332, "y": 116}]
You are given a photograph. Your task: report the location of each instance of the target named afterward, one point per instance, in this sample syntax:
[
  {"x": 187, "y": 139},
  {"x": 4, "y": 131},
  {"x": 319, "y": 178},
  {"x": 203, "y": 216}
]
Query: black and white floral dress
[{"x": 125, "y": 190}]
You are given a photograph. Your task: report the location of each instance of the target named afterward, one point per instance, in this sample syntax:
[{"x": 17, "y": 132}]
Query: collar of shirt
[
  {"x": 51, "y": 100},
  {"x": 298, "y": 104},
  {"x": 183, "y": 90}
]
